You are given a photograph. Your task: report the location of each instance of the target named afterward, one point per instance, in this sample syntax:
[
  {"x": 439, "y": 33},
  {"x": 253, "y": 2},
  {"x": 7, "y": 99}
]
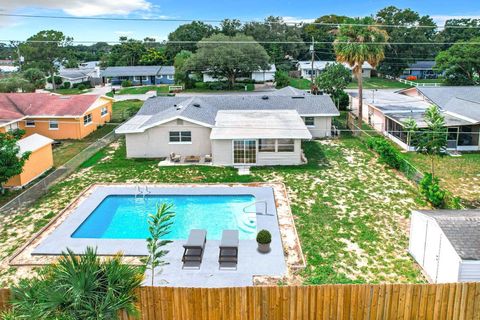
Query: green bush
[
  {"x": 66, "y": 85},
  {"x": 281, "y": 79},
  {"x": 388, "y": 154},
  {"x": 78, "y": 287},
  {"x": 341, "y": 98},
  {"x": 84, "y": 85},
  {"x": 58, "y": 80},
  {"x": 126, "y": 83},
  {"x": 264, "y": 237},
  {"x": 431, "y": 190},
  {"x": 81, "y": 87}
]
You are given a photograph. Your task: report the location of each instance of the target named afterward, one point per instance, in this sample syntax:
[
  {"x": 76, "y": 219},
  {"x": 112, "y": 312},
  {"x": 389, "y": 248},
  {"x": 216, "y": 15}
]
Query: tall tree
[
  {"x": 358, "y": 42},
  {"x": 230, "y": 27},
  {"x": 182, "y": 74},
  {"x": 459, "y": 30},
  {"x": 461, "y": 63},
  {"x": 235, "y": 56},
  {"x": 431, "y": 141},
  {"x": 35, "y": 76},
  {"x": 128, "y": 53},
  {"x": 414, "y": 29},
  {"x": 271, "y": 32},
  {"x": 333, "y": 80},
  {"x": 12, "y": 162},
  {"x": 153, "y": 57},
  {"x": 323, "y": 32},
  {"x": 45, "y": 50},
  {"x": 191, "y": 33}
]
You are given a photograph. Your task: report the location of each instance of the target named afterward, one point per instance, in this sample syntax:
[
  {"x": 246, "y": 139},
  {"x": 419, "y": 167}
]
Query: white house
[
  {"x": 446, "y": 244},
  {"x": 234, "y": 129},
  {"x": 258, "y": 76},
  {"x": 305, "y": 68}
]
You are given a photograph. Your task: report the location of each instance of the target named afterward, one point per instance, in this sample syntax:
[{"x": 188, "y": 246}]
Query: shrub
[
  {"x": 57, "y": 79},
  {"x": 431, "y": 190},
  {"x": 81, "y": 87},
  {"x": 388, "y": 154},
  {"x": 126, "y": 83},
  {"x": 264, "y": 237},
  {"x": 342, "y": 98},
  {"x": 411, "y": 78},
  {"x": 78, "y": 287},
  {"x": 66, "y": 85},
  {"x": 281, "y": 79}
]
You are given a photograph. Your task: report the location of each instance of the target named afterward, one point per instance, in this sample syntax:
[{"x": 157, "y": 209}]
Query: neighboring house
[
  {"x": 89, "y": 65},
  {"x": 54, "y": 116},
  {"x": 234, "y": 129},
  {"x": 446, "y": 244},
  {"x": 39, "y": 161},
  {"x": 387, "y": 110},
  {"x": 422, "y": 70},
  {"x": 305, "y": 68},
  {"x": 139, "y": 75},
  {"x": 8, "y": 66},
  {"x": 257, "y": 76},
  {"x": 78, "y": 75}
]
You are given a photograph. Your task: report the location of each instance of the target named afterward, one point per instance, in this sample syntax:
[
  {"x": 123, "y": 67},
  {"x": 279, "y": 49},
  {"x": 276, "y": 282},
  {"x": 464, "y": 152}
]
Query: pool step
[{"x": 247, "y": 222}]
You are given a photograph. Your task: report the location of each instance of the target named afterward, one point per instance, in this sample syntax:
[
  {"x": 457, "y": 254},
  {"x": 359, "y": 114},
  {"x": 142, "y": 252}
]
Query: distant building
[
  {"x": 139, "y": 75},
  {"x": 305, "y": 68},
  {"x": 422, "y": 70},
  {"x": 8, "y": 66},
  {"x": 258, "y": 76}
]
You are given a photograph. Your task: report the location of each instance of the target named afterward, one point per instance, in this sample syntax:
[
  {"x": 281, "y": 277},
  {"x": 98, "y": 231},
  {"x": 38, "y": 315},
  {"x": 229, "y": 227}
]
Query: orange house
[
  {"x": 40, "y": 160},
  {"x": 54, "y": 116}
]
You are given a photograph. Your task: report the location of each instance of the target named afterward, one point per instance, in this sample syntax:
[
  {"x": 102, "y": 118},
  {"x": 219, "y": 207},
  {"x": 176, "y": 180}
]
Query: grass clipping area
[{"x": 351, "y": 213}]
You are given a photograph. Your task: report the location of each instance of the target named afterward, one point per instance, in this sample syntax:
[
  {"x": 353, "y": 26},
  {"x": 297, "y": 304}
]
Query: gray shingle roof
[
  {"x": 135, "y": 71},
  {"x": 422, "y": 65},
  {"x": 462, "y": 228},
  {"x": 167, "y": 70},
  {"x": 419, "y": 117},
  {"x": 464, "y": 101},
  {"x": 204, "y": 108}
]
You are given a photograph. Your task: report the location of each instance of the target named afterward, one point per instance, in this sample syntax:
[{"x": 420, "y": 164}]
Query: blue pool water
[{"x": 126, "y": 217}]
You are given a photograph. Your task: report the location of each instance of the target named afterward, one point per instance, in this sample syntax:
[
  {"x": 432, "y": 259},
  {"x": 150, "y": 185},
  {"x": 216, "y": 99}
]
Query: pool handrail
[{"x": 265, "y": 213}]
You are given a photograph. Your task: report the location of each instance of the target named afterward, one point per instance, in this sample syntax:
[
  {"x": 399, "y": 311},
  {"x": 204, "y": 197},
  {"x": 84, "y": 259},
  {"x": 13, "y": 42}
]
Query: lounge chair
[
  {"x": 194, "y": 248},
  {"x": 175, "y": 157},
  {"x": 228, "y": 255}
]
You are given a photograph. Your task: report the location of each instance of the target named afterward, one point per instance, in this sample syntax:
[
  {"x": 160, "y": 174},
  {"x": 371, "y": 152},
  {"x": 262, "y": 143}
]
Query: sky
[{"x": 14, "y": 28}]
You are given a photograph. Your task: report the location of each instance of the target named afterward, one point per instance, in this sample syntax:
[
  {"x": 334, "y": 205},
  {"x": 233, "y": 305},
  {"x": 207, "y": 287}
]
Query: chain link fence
[{"x": 41, "y": 187}]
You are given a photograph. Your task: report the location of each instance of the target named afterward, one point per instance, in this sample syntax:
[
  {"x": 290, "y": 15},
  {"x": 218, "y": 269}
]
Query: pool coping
[{"x": 293, "y": 253}]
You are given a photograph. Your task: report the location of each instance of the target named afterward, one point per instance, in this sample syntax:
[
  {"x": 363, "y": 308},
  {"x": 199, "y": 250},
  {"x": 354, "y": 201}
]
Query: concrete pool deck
[{"x": 285, "y": 256}]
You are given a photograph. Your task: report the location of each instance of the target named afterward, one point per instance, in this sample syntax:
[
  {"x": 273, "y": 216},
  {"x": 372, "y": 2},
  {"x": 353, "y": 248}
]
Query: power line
[{"x": 412, "y": 26}]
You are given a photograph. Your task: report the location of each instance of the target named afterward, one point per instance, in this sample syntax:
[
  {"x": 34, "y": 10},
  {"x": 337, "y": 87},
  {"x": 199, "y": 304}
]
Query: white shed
[{"x": 446, "y": 244}]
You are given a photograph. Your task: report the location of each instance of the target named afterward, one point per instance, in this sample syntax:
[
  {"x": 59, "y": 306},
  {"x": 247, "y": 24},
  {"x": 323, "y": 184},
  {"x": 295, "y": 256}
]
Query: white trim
[
  {"x": 182, "y": 142},
  {"x": 319, "y": 114},
  {"x": 50, "y": 125},
  {"x": 168, "y": 120}
]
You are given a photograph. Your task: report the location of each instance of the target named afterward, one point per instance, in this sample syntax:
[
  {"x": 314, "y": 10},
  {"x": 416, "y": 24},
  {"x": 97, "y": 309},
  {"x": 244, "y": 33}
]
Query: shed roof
[
  {"x": 462, "y": 228},
  {"x": 259, "y": 124},
  {"x": 33, "y": 143}
]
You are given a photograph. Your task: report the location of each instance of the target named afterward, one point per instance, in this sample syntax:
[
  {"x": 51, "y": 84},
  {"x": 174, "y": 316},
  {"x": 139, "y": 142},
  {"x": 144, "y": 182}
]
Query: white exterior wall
[
  {"x": 469, "y": 271},
  {"x": 222, "y": 153},
  {"x": 322, "y": 127},
  {"x": 154, "y": 142},
  {"x": 432, "y": 250},
  {"x": 263, "y": 76}
]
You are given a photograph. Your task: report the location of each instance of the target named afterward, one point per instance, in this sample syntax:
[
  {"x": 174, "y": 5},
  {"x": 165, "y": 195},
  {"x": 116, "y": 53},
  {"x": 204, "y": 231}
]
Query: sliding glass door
[{"x": 244, "y": 151}]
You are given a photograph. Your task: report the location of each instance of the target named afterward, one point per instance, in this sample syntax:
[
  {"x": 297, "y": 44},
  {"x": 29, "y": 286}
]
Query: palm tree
[{"x": 359, "y": 41}]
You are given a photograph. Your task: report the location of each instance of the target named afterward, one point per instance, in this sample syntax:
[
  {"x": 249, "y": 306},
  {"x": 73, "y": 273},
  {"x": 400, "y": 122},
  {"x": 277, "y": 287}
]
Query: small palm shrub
[
  {"x": 78, "y": 287},
  {"x": 264, "y": 237},
  {"x": 431, "y": 190}
]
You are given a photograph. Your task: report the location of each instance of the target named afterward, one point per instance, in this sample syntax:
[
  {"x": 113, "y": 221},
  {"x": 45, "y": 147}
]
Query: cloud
[
  {"x": 297, "y": 20},
  {"x": 124, "y": 33},
  {"x": 441, "y": 19},
  {"x": 86, "y": 8}
]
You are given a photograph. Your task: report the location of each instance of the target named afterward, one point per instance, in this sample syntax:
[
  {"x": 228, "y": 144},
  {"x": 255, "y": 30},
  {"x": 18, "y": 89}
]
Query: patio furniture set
[
  {"x": 175, "y": 158},
  {"x": 195, "y": 247}
]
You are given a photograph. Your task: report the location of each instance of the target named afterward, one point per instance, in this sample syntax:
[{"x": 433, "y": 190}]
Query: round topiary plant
[{"x": 264, "y": 237}]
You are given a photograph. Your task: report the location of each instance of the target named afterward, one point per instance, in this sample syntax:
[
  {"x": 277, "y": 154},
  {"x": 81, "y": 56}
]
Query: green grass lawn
[
  {"x": 70, "y": 91},
  {"x": 143, "y": 89},
  {"x": 460, "y": 175},
  {"x": 378, "y": 83},
  {"x": 351, "y": 212},
  {"x": 302, "y": 84}
]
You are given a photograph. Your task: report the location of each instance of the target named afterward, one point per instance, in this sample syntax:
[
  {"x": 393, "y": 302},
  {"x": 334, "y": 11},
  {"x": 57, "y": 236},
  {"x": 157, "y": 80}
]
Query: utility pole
[{"x": 312, "y": 50}]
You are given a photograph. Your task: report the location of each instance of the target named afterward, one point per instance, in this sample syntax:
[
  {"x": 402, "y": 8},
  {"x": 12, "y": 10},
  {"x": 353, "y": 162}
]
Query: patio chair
[
  {"x": 208, "y": 158},
  {"x": 194, "y": 248},
  {"x": 228, "y": 255},
  {"x": 175, "y": 157}
]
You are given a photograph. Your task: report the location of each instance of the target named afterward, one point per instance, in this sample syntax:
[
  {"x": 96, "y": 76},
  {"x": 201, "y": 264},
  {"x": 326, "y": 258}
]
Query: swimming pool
[{"x": 126, "y": 216}]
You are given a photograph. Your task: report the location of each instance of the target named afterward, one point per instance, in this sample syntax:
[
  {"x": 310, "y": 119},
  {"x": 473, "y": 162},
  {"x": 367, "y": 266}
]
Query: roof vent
[
  {"x": 264, "y": 97},
  {"x": 196, "y": 105},
  {"x": 298, "y": 97}
]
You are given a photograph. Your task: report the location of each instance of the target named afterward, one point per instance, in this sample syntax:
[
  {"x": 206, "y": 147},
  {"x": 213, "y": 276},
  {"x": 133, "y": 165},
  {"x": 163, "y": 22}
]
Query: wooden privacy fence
[{"x": 397, "y": 301}]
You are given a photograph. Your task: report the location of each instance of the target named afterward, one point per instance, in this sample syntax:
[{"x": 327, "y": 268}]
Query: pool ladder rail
[
  {"x": 142, "y": 192},
  {"x": 264, "y": 213}
]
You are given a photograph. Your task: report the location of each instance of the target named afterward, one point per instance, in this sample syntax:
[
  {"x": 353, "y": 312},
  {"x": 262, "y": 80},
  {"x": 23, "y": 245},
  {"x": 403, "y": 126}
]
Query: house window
[
  {"x": 53, "y": 124},
  {"x": 170, "y": 77},
  {"x": 266, "y": 145},
  {"x": 12, "y": 127},
  {"x": 286, "y": 145},
  {"x": 180, "y": 136},
  {"x": 30, "y": 123},
  {"x": 140, "y": 78},
  {"x": 309, "y": 121},
  {"x": 87, "y": 119},
  {"x": 104, "y": 111}
]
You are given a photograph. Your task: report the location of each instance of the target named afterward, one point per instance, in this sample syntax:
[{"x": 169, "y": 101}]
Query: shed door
[{"x": 432, "y": 251}]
